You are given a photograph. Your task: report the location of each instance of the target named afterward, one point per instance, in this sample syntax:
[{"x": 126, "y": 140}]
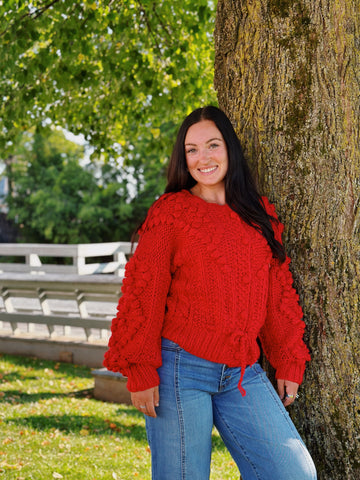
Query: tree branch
[
  {"x": 161, "y": 23},
  {"x": 142, "y": 10},
  {"x": 38, "y": 12}
]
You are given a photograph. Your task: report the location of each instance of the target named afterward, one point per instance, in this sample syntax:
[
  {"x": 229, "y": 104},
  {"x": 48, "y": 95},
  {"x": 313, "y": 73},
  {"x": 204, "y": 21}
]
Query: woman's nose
[{"x": 204, "y": 154}]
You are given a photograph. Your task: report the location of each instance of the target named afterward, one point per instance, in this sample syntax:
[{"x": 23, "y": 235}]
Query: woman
[{"x": 209, "y": 279}]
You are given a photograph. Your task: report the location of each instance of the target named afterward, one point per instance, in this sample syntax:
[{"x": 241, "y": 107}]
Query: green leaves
[
  {"x": 107, "y": 69},
  {"x": 124, "y": 74},
  {"x": 55, "y": 199}
]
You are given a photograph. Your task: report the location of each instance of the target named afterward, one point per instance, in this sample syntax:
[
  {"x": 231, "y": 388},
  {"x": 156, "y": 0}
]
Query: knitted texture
[{"x": 203, "y": 278}]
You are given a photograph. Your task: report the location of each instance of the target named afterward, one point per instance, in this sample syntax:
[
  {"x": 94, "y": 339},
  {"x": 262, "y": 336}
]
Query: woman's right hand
[{"x": 146, "y": 401}]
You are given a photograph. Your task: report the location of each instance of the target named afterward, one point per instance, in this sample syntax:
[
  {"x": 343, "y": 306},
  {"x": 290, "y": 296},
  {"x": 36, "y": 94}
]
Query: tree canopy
[
  {"x": 118, "y": 72},
  {"x": 123, "y": 74}
]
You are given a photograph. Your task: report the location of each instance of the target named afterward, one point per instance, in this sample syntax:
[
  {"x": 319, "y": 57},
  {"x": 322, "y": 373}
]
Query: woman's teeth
[{"x": 207, "y": 170}]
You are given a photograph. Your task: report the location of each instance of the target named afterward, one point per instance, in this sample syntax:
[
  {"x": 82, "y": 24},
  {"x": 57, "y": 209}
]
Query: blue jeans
[{"x": 196, "y": 394}]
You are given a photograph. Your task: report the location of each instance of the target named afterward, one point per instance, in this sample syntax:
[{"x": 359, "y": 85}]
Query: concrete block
[
  {"x": 111, "y": 386},
  {"x": 69, "y": 350},
  {"x": 66, "y": 357}
]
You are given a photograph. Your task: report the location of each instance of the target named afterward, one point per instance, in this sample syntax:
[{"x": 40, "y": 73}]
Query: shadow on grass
[
  {"x": 218, "y": 444},
  {"x": 78, "y": 424},
  {"x": 62, "y": 368},
  {"x": 14, "y": 376},
  {"x": 20, "y": 397},
  {"x": 91, "y": 426},
  {"x": 123, "y": 408}
]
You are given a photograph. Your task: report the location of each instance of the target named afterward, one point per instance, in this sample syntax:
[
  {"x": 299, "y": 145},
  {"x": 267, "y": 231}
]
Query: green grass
[{"x": 52, "y": 427}]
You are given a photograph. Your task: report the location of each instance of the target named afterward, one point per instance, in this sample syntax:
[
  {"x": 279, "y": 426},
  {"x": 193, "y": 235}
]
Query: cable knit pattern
[{"x": 203, "y": 278}]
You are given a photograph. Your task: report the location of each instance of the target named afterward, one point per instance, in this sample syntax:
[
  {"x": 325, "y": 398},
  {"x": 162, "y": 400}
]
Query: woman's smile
[
  {"x": 206, "y": 156},
  {"x": 208, "y": 170}
]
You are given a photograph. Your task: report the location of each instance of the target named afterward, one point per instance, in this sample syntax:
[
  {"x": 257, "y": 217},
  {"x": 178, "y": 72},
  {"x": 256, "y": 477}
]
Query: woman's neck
[{"x": 210, "y": 195}]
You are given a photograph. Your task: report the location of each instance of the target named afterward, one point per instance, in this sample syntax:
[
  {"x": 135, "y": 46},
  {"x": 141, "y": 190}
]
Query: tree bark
[{"x": 287, "y": 73}]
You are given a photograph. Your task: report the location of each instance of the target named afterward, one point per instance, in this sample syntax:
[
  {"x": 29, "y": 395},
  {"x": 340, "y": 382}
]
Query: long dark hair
[{"x": 240, "y": 190}]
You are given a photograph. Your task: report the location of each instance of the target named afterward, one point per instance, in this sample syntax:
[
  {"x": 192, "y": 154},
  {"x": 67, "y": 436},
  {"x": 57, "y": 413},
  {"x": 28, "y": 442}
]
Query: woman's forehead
[{"x": 203, "y": 131}]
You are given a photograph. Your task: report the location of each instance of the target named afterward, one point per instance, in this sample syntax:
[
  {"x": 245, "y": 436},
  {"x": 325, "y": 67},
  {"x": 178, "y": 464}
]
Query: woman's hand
[
  {"x": 287, "y": 391},
  {"x": 146, "y": 401}
]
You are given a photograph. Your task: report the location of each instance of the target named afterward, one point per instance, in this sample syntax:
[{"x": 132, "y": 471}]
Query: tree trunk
[{"x": 288, "y": 75}]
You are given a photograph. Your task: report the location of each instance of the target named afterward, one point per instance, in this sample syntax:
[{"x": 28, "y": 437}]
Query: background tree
[
  {"x": 56, "y": 199},
  {"x": 287, "y": 73}
]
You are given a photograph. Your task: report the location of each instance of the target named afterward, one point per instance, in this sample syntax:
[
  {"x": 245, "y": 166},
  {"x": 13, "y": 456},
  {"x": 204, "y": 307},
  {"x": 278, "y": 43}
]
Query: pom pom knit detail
[{"x": 203, "y": 278}]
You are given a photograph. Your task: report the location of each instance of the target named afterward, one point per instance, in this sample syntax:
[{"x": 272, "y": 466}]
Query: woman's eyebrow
[{"x": 207, "y": 141}]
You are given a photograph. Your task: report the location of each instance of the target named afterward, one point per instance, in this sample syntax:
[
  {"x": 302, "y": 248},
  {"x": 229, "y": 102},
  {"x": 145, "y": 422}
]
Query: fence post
[
  {"x": 33, "y": 260},
  {"x": 78, "y": 262},
  {"x": 9, "y": 308},
  {"x": 121, "y": 258}
]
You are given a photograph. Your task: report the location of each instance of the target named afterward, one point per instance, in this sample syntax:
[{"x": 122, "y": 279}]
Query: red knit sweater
[{"x": 203, "y": 278}]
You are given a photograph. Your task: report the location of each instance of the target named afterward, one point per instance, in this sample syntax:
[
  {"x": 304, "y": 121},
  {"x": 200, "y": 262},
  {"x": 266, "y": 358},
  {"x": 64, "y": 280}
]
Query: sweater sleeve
[
  {"x": 282, "y": 334},
  {"x": 135, "y": 342}
]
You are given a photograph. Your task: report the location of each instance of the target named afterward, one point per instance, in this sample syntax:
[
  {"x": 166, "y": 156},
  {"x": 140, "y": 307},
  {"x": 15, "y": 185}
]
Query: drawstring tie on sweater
[
  {"x": 242, "y": 348},
  {"x": 240, "y": 387}
]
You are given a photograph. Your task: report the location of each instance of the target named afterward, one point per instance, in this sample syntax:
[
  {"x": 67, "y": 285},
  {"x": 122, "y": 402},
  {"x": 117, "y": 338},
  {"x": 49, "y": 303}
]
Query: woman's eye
[
  {"x": 190, "y": 150},
  {"x": 213, "y": 145}
]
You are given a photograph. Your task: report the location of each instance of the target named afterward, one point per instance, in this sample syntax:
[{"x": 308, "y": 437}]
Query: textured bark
[{"x": 288, "y": 75}]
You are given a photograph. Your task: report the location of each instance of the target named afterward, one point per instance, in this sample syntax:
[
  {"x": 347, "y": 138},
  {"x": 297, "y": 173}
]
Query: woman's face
[{"x": 206, "y": 154}]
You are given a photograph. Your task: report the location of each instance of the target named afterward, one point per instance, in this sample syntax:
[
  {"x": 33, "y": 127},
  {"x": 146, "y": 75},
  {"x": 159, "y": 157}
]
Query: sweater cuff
[
  {"x": 141, "y": 377},
  {"x": 294, "y": 372}
]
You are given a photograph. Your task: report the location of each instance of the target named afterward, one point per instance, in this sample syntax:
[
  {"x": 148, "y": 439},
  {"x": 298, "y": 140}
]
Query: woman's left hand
[
  {"x": 146, "y": 401},
  {"x": 287, "y": 391}
]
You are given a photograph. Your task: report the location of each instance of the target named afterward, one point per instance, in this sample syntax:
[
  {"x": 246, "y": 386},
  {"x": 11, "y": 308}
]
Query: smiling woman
[
  {"x": 210, "y": 277},
  {"x": 207, "y": 161}
]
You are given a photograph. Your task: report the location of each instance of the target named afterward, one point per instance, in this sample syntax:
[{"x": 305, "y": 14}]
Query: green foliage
[
  {"x": 55, "y": 199},
  {"x": 52, "y": 427},
  {"x": 122, "y": 73}
]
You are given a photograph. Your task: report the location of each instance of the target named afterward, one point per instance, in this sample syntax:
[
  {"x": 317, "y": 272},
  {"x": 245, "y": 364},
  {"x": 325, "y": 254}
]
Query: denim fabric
[{"x": 196, "y": 394}]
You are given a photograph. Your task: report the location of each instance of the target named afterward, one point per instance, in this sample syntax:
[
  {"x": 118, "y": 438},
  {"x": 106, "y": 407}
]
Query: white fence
[
  {"x": 34, "y": 253},
  {"x": 56, "y": 301}
]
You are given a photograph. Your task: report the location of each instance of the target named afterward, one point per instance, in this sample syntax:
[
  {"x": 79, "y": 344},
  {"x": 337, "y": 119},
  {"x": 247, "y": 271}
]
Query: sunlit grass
[{"x": 52, "y": 427}]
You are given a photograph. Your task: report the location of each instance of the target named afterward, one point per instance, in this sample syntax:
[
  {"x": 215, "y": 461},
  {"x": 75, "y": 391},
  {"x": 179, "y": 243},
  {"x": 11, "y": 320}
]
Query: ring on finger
[{"x": 288, "y": 395}]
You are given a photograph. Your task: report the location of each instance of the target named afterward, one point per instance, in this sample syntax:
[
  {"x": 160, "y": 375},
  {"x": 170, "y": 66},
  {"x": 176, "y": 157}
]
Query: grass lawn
[{"x": 52, "y": 427}]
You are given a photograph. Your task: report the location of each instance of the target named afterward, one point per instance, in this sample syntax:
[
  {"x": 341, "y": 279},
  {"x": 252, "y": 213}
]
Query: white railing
[
  {"x": 50, "y": 300},
  {"x": 68, "y": 305},
  {"x": 34, "y": 253}
]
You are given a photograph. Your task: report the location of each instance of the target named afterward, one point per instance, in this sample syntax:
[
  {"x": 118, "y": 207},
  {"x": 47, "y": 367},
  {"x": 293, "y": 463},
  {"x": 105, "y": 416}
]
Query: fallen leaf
[
  {"x": 6, "y": 441},
  {"x": 7, "y": 466}
]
